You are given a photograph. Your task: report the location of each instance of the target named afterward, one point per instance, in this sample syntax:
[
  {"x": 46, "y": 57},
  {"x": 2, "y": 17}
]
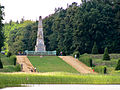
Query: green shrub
[
  {"x": 9, "y": 54},
  {"x": 86, "y": 60},
  {"x": 106, "y": 55},
  {"x": 76, "y": 53},
  {"x": 118, "y": 65},
  {"x": 18, "y": 67},
  {"x": 13, "y": 60},
  {"x": 100, "y": 69},
  {"x": 94, "y": 49},
  {"x": 1, "y": 65}
]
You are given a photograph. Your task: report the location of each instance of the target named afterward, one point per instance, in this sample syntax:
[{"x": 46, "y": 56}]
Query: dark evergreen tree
[
  {"x": 1, "y": 27},
  {"x": 118, "y": 65},
  {"x": 106, "y": 55},
  {"x": 1, "y": 65},
  {"x": 94, "y": 49}
]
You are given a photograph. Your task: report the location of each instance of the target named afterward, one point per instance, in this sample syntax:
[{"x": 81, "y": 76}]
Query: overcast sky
[{"x": 32, "y": 9}]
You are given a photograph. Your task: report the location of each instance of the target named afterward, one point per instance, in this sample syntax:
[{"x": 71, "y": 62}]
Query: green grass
[
  {"x": 51, "y": 64},
  {"x": 15, "y": 79},
  {"x": 10, "y": 68}
]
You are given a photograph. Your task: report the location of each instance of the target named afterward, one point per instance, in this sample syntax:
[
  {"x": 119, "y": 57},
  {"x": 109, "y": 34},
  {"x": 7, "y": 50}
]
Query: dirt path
[
  {"x": 79, "y": 66},
  {"x": 26, "y": 64}
]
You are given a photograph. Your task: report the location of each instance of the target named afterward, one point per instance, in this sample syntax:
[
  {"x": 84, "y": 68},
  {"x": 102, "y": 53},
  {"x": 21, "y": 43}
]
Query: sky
[{"x": 32, "y": 9}]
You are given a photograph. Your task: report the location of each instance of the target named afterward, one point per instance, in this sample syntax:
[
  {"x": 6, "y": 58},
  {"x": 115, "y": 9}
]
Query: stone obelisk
[{"x": 40, "y": 46}]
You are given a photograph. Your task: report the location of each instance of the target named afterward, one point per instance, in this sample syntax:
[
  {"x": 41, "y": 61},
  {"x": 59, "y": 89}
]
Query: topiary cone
[
  {"x": 106, "y": 55},
  {"x": 94, "y": 49},
  {"x": 118, "y": 65}
]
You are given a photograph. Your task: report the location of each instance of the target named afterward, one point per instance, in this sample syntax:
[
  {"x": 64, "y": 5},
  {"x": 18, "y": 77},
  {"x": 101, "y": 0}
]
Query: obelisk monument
[{"x": 40, "y": 46}]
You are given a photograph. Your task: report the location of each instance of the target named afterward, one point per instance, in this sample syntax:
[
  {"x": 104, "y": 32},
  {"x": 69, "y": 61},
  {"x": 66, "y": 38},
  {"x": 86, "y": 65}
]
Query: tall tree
[{"x": 1, "y": 27}]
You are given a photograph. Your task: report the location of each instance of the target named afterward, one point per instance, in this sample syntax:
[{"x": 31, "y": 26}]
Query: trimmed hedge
[
  {"x": 118, "y": 65},
  {"x": 18, "y": 67},
  {"x": 106, "y": 55},
  {"x": 13, "y": 60},
  {"x": 76, "y": 53},
  {"x": 86, "y": 60},
  {"x": 100, "y": 69},
  {"x": 94, "y": 49}
]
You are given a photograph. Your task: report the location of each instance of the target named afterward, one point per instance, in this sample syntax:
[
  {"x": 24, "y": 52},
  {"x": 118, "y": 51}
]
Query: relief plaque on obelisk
[{"x": 40, "y": 46}]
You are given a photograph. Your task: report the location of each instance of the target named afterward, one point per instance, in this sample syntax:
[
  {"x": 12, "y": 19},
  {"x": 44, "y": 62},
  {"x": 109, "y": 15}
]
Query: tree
[
  {"x": 1, "y": 65},
  {"x": 106, "y": 55},
  {"x": 75, "y": 28},
  {"x": 94, "y": 49},
  {"x": 1, "y": 27}
]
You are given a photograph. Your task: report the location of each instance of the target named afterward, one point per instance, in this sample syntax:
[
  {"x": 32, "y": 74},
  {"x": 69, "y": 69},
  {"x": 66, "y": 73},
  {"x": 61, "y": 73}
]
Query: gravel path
[
  {"x": 75, "y": 63},
  {"x": 25, "y": 63}
]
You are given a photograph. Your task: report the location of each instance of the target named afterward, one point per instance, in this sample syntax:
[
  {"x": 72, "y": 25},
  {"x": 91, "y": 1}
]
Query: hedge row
[
  {"x": 13, "y": 60},
  {"x": 86, "y": 60},
  {"x": 100, "y": 69}
]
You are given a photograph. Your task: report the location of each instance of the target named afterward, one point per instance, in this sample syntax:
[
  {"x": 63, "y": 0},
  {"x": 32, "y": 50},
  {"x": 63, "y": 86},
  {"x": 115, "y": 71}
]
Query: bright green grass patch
[
  {"x": 11, "y": 68},
  {"x": 51, "y": 64},
  {"x": 15, "y": 79}
]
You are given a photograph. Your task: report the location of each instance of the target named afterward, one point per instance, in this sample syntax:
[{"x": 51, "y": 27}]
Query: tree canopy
[{"x": 75, "y": 28}]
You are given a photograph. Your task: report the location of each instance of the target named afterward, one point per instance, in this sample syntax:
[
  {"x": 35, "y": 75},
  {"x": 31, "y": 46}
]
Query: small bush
[
  {"x": 100, "y": 69},
  {"x": 106, "y": 55},
  {"x": 94, "y": 49},
  {"x": 76, "y": 53},
  {"x": 118, "y": 65},
  {"x": 9, "y": 54},
  {"x": 86, "y": 60},
  {"x": 13, "y": 60},
  {"x": 1, "y": 65}
]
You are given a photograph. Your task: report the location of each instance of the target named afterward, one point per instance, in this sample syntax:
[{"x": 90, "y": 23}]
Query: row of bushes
[
  {"x": 11, "y": 68},
  {"x": 9, "y": 64},
  {"x": 86, "y": 59},
  {"x": 100, "y": 69},
  {"x": 7, "y": 61},
  {"x": 13, "y": 60}
]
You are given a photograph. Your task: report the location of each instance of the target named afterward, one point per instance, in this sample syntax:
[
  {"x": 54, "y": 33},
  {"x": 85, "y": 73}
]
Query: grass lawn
[
  {"x": 15, "y": 79},
  {"x": 51, "y": 64}
]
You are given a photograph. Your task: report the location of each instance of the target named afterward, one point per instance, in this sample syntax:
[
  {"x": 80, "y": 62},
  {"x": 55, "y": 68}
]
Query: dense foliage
[
  {"x": 1, "y": 27},
  {"x": 20, "y": 36},
  {"x": 75, "y": 28},
  {"x": 13, "y": 59},
  {"x": 86, "y": 60},
  {"x": 79, "y": 26}
]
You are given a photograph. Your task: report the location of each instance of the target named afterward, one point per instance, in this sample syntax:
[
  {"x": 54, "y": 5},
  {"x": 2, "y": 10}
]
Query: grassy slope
[
  {"x": 51, "y": 64},
  {"x": 13, "y": 79}
]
